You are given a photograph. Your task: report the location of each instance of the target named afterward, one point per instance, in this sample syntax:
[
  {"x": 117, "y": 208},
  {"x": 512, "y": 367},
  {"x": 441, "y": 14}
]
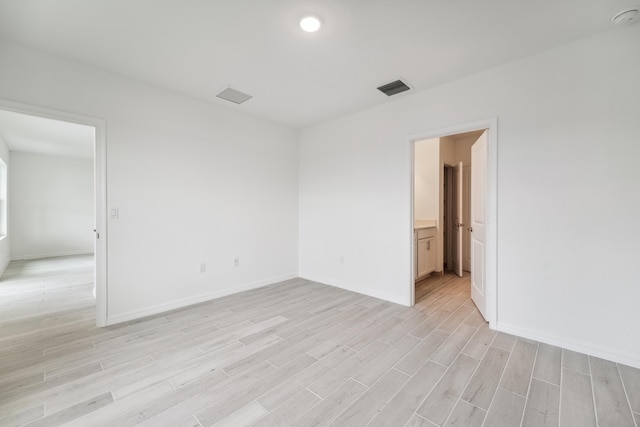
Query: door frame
[
  {"x": 491, "y": 255},
  {"x": 100, "y": 190}
]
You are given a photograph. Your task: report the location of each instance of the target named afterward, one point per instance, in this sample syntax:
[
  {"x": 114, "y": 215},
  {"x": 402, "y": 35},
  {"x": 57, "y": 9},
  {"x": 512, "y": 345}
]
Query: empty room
[{"x": 323, "y": 212}]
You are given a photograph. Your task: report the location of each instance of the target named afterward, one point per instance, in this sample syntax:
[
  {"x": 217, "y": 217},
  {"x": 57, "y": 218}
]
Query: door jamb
[
  {"x": 100, "y": 191},
  {"x": 491, "y": 260}
]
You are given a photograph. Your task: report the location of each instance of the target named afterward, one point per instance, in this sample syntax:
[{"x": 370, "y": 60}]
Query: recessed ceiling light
[{"x": 310, "y": 24}]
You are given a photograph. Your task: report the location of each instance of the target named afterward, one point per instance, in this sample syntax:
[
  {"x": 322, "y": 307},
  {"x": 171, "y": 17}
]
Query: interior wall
[
  {"x": 5, "y": 241},
  {"x": 426, "y": 184},
  {"x": 193, "y": 183},
  {"x": 51, "y": 207},
  {"x": 448, "y": 151},
  {"x": 463, "y": 149},
  {"x": 567, "y": 152}
]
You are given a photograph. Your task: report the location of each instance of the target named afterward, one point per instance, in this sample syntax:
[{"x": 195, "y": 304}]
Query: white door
[
  {"x": 466, "y": 219},
  {"x": 458, "y": 225},
  {"x": 478, "y": 222}
]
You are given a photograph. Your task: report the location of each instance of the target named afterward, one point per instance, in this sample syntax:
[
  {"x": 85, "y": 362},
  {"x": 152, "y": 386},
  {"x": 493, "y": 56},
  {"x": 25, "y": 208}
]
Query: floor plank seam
[
  {"x": 438, "y": 363},
  {"x": 527, "y": 401},
  {"x": 355, "y": 380},
  {"x": 498, "y": 387},
  {"x": 626, "y": 395},
  {"x": 560, "y": 400},
  {"x": 463, "y": 390},
  {"x": 317, "y": 395},
  {"x": 576, "y": 371},
  {"x": 593, "y": 391},
  {"x": 533, "y": 377}
]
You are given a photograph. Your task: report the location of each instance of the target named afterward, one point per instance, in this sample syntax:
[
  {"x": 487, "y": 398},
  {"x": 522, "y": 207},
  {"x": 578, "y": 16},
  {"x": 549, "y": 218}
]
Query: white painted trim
[
  {"x": 629, "y": 359},
  {"x": 411, "y": 295},
  {"x": 100, "y": 156},
  {"x": 48, "y": 255},
  {"x": 364, "y": 291},
  {"x": 491, "y": 262},
  {"x": 102, "y": 284},
  {"x": 4, "y": 267},
  {"x": 185, "y": 302}
]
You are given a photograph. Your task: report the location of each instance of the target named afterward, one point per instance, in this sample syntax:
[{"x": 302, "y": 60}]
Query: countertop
[{"x": 424, "y": 223}]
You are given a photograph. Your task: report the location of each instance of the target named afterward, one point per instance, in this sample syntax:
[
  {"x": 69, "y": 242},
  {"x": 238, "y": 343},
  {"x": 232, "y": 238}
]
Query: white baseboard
[
  {"x": 185, "y": 302},
  {"x": 603, "y": 353},
  {"x": 49, "y": 255},
  {"x": 396, "y": 299}
]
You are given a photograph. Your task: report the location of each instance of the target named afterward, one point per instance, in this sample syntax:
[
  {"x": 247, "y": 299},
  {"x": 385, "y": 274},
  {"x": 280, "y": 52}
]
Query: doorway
[
  {"x": 456, "y": 207},
  {"x": 449, "y": 220},
  {"x": 97, "y": 127}
]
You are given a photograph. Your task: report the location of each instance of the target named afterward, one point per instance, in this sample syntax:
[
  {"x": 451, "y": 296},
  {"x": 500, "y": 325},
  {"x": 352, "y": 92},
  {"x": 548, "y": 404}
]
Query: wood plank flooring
[{"x": 296, "y": 353}]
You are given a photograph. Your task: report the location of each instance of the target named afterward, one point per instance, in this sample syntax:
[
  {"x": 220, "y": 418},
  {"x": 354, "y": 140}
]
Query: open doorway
[
  {"x": 456, "y": 161},
  {"x": 449, "y": 192},
  {"x": 56, "y": 201}
]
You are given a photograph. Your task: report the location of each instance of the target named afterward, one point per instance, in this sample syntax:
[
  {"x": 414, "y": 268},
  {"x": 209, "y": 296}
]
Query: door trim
[
  {"x": 491, "y": 260},
  {"x": 100, "y": 171}
]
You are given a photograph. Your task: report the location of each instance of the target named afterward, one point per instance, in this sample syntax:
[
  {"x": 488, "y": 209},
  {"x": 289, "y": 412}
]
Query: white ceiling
[
  {"x": 23, "y": 132},
  {"x": 198, "y": 47}
]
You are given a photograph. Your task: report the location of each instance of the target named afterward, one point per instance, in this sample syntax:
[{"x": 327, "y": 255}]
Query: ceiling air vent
[
  {"x": 234, "y": 96},
  {"x": 393, "y": 88}
]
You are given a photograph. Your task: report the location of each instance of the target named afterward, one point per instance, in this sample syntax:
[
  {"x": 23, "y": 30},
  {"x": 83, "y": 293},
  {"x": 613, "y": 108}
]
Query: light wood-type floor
[{"x": 296, "y": 353}]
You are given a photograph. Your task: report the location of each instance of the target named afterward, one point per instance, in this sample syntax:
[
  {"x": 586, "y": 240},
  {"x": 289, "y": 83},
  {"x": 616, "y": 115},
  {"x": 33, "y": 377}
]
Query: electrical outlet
[
  {"x": 203, "y": 267},
  {"x": 341, "y": 259},
  {"x": 236, "y": 262}
]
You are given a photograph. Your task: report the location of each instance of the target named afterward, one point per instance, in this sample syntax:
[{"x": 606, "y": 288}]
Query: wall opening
[
  {"x": 458, "y": 226},
  {"x": 96, "y": 129}
]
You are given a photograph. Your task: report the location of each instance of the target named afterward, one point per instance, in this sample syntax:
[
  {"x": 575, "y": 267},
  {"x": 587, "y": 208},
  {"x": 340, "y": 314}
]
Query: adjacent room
[
  {"x": 442, "y": 210},
  {"x": 51, "y": 188},
  {"x": 319, "y": 213}
]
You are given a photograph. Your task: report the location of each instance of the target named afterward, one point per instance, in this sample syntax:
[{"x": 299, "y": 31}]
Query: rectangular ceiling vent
[
  {"x": 393, "y": 88},
  {"x": 234, "y": 96}
]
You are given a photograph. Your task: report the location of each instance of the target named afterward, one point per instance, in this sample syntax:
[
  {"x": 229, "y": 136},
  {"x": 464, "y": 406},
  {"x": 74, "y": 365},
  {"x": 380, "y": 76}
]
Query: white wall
[
  {"x": 568, "y": 149},
  {"x": 463, "y": 149},
  {"x": 5, "y": 241},
  {"x": 427, "y": 185},
  {"x": 448, "y": 152},
  {"x": 51, "y": 207},
  {"x": 194, "y": 183}
]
